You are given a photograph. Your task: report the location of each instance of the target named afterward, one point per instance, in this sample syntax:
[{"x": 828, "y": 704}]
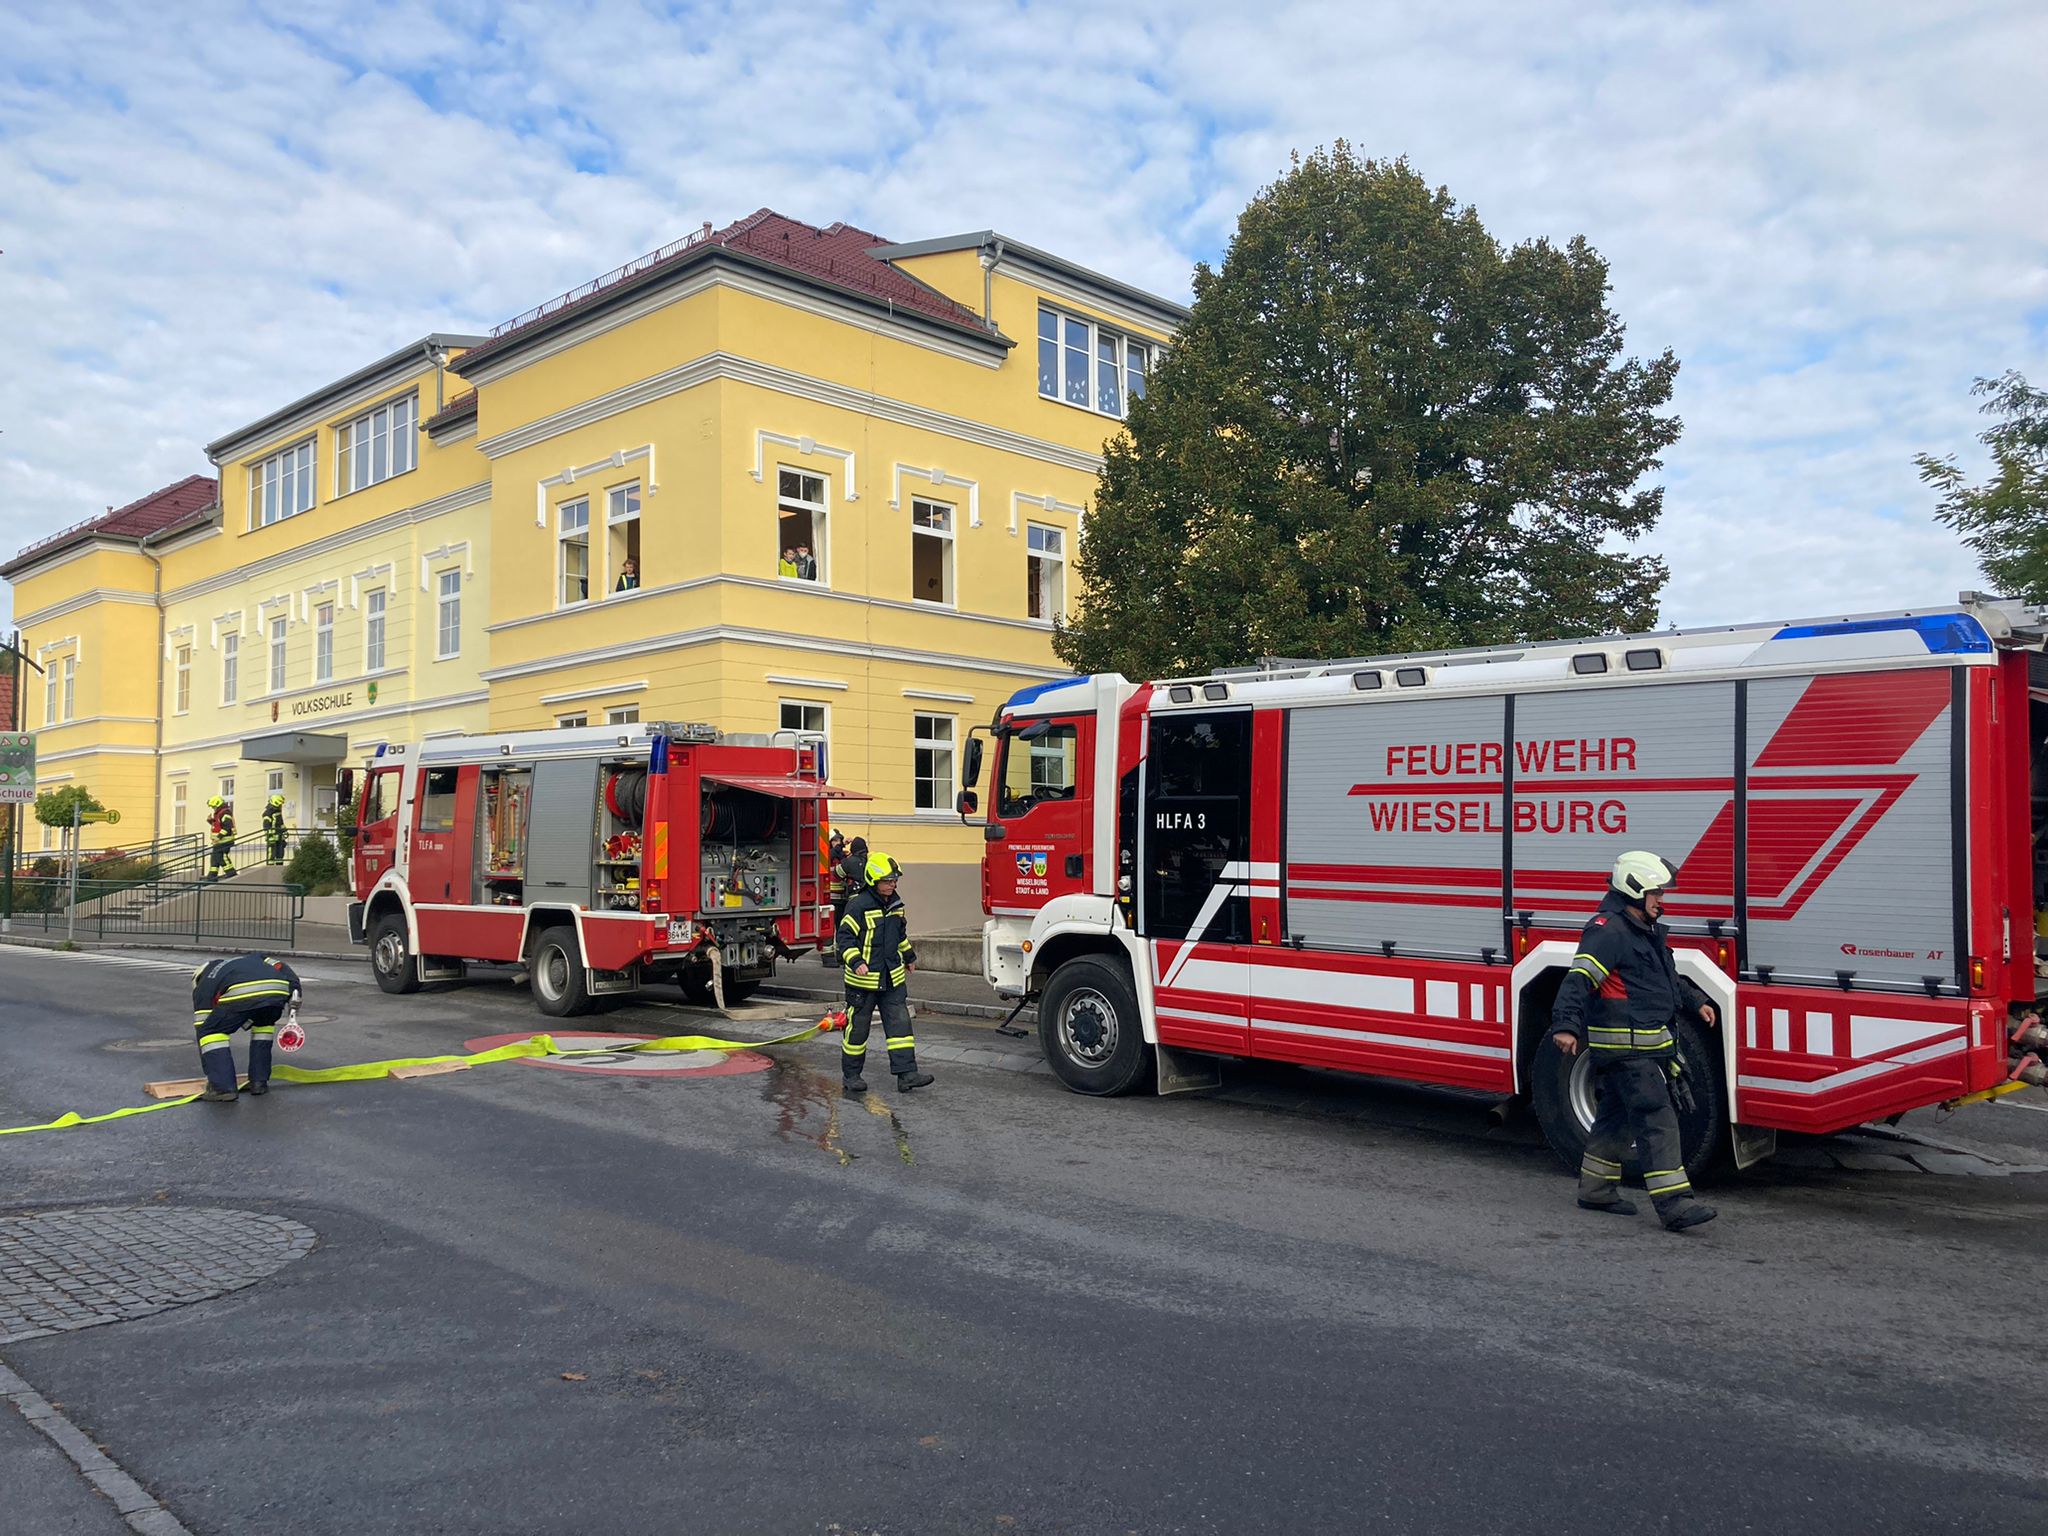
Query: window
[
  {"x": 273, "y": 784},
  {"x": 800, "y": 526},
  {"x": 180, "y": 808},
  {"x": 1195, "y": 825},
  {"x": 628, "y": 714},
  {"x": 281, "y": 486},
  {"x": 277, "y": 654},
  {"x": 802, "y": 715},
  {"x": 572, "y": 552},
  {"x": 1039, "y": 763},
  {"x": 182, "y": 698},
  {"x": 931, "y": 552},
  {"x": 1045, "y": 579},
  {"x": 50, "y": 716},
  {"x": 1089, "y": 365},
  {"x": 373, "y": 630},
  {"x": 622, "y": 537},
  {"x": 230, "y": 666},
  {"x": 571, "y": 722},
  {"x": 380, "y": 797},
  {"x": 227, "y": 790},
  {"x": 70, "y": 687},
  {"x": 376, "y": 445},
  {"x": 323, "y": 643},
  {"x": 933, "y": 754},
  {"x": 437, "y": 801},
  {"x": 448, "y": 630}
]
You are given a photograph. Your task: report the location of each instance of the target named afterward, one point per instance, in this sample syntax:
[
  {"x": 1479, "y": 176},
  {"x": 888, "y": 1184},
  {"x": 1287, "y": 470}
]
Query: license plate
[{"x": 679, "y": 933}]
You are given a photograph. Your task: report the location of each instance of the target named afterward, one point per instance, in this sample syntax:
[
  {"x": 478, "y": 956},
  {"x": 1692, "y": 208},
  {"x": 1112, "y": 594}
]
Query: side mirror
[
  {"x": 345, "y": 784},
  {"x": 968, "y": 803},
  {"x": 970, "y": 764}
]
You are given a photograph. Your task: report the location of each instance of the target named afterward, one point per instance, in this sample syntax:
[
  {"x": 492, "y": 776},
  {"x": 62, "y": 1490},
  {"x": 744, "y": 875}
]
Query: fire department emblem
[
  {"x": 1023, "y": 863},
  {"x": 373, "y": 693},
  {"x": 273, "y": 711}
]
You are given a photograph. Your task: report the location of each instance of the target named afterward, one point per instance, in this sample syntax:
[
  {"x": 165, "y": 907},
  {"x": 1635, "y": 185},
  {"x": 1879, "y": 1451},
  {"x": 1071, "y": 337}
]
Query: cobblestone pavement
[{"x": 61, "y": 1270}]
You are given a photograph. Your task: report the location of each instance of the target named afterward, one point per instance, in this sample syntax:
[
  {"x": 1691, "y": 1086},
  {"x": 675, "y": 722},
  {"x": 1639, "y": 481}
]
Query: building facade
[{"x": 776, "y": 477}]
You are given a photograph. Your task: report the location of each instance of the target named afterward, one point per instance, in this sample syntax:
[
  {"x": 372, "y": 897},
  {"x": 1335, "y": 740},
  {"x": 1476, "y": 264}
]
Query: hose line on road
[{"x": 367, "y": 1071}]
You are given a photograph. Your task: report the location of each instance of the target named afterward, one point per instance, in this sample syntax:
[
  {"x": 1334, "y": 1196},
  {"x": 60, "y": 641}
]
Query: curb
[{"x": 202, "y": 948}]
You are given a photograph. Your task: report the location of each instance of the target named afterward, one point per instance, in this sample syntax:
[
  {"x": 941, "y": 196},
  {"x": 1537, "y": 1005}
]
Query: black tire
[
  {"x": 561, "y": 986},
  {"x": 696, "y": 984},
  {"x": 391, "y": 958},
  {"x": 1561, "y": 1094},
  {"x": 1089, "y": 1030}
]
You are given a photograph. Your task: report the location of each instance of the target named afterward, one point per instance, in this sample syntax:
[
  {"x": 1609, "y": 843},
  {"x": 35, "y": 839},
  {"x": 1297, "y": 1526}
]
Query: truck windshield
[{"x": 1038, "y": 764}]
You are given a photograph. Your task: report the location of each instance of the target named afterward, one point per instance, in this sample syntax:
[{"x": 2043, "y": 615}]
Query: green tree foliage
[
  {"x": 2004, "y": 520},
  {"x": 316, "y": 867},
  {"x": 54, "y": 806},
  {"x": 1379, "y": 430}
]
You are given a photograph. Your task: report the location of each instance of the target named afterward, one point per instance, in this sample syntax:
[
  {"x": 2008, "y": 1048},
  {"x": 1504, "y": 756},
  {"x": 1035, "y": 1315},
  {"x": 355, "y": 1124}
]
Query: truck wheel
[
  {"x": 561, "y": 988},
  {"x": 1089, "y": 1031},
  {"x": 1561, "y": 1093},
  {"x": 391, "y": 957}
]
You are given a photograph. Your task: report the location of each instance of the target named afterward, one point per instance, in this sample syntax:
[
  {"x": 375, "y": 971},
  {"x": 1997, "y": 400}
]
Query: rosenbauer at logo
[{"x": 1865, "y": 952}]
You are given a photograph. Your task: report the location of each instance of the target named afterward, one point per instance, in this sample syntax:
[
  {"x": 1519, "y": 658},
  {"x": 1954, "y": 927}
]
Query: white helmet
[{"x": 1636, "y": 874}]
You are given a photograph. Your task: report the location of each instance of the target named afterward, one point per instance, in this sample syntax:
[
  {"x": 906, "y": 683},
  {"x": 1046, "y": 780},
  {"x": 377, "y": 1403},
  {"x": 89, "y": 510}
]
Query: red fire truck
[
  {"x": 598, "y": 859},
  {"x": 1382, "y": 865}
]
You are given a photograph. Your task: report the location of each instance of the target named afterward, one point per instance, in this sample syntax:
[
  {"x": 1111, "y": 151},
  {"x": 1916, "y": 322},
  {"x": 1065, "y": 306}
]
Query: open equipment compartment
[{"x": 745, "y": 850}]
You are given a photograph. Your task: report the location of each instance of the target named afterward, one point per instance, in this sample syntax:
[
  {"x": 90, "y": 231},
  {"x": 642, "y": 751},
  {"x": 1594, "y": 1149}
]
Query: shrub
[{"x": 316, "y": 867}]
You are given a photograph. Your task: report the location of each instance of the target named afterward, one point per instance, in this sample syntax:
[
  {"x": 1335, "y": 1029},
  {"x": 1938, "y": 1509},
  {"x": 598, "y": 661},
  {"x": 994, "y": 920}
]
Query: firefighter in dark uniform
[
  {"x": 273, "y": 830},
  {"x": 249, "y": 992},
  {"x": 837, "y": 886},
  {"x": 220, "y": 821},
  {"x": 875, "y": 953},
  {"x": 1625, "y": 971}
]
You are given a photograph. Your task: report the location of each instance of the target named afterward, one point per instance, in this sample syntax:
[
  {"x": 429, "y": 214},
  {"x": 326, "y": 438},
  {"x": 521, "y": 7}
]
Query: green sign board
[{"x": 17, "y": 768}]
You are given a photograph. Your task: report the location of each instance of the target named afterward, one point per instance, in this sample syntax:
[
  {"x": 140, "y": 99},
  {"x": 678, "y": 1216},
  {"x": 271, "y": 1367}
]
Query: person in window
[
  {"x": 629, "y": 576},
  {"x": 806, "y": 563},
  {"x": 786, "y": 566}
]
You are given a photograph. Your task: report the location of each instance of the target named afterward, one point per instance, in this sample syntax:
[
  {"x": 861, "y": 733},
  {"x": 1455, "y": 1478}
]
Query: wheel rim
[
  {"x": 1579, "y": 1091},
  {"x": 390, "y": 954},
  {"x": 553, "y": 974},
  {"x": 1088, "y": 1028}
]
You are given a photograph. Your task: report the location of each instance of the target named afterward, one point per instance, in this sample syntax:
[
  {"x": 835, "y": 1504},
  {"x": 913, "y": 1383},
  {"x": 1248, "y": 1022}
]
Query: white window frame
[
  {"x": 227, "y": 789},
  {"x": 447, "y": 597},
  {"x": 941, "y": 528},
  {"x": 1056, "y": 559},
  {"x": 281, "y": 484},
  {"x": 230, "y": 666},
  {"x": 280, "y": 669},
  {"x": 622, "y": 714},
  {"x": 393, "y": 425},
  {"x": 821, "y": 521},
  {"x": 273, "y": 784},
  {"x": 323, "y": 643},
  {"x": 181, "y": 808},
  {"x": 946, "y": 750},
  {"x": 377, "y": 603},
  {"x": 1130, "y": 361},
  {"x": 621, "y": 506},
  {"x": 574, "y": 722},
  {"x": 50, "y": 715},
  {"x": 181, "y": 690},
  {"x": 784, "y": 706},
  {"x": 565, "y": 536},
  {"x": 70, "y": 687}
]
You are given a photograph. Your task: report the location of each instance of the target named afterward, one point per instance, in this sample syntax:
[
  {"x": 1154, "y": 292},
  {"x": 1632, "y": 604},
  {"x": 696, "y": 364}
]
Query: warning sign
[{"x": 17, "y": 768}]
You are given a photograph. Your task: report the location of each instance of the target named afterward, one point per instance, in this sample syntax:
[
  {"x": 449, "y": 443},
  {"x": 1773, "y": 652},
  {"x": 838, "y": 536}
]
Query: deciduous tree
[{"x": 2005, "y": 519}]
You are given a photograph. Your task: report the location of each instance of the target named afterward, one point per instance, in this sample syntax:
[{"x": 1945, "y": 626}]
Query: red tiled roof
[
  {"x": 836, "y": 256},
  {"x": 462, "y": 405},
  {"x": 148, "y": 514}
]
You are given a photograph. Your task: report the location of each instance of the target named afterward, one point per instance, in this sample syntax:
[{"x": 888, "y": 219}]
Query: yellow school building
[{"x": 773, "y": 476}]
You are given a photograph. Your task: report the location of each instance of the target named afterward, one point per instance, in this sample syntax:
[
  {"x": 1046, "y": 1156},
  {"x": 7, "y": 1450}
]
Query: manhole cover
[
  {"x": 61, "y": 1270},
  {"x": 610, "y": 1061}
]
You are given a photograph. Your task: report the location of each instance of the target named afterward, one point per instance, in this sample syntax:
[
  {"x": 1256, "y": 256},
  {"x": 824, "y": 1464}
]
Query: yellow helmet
[
  {"x": 214, "y": 802},
  {"x": 881, "y": 867},
  {"x": 1637, "y": 873},
  {"x": 277, "y": 799}
]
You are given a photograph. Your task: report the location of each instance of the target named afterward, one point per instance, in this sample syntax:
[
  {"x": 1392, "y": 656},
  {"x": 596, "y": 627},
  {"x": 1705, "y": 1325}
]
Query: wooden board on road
[{"x": 183, "y": 1087}]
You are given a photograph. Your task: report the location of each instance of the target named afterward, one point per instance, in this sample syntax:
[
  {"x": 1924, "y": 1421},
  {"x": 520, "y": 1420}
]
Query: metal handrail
[{"x": 199, "y": 911}]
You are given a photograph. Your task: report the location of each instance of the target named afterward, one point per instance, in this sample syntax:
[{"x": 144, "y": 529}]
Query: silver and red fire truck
[
  {"x": 599, "y": 859},
  {"x": 1382, "y": 865}
]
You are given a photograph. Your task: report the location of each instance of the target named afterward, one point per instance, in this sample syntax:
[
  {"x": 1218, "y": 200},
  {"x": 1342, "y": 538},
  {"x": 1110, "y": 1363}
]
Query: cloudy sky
[{"x": 1833, "y": 213}]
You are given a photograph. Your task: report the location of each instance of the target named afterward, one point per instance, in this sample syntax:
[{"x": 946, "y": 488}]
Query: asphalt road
[{"x": 1311, "y": 1305}]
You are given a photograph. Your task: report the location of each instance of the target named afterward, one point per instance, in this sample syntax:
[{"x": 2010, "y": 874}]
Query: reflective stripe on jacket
[
  {"x": 1625, "y": 972},
  {"x": 875, "y": 933}
]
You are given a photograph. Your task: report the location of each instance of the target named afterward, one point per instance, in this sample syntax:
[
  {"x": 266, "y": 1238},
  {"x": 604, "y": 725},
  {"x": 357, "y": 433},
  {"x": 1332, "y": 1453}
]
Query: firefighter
[
  {"x": 220, "y": 821},
  {"x": 1624, "y": 968},
  {"x": 273, "y": 830},
  {"x": 835, "y": 874},
  {"x": 249, "y": 992},
  {"x": 874, "y": 950}
]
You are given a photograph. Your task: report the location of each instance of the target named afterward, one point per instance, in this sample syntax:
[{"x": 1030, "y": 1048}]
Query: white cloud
[{"x": 1830, "y": 213}]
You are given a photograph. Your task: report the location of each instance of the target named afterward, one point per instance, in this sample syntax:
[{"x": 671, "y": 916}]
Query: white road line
[{"x": 142, "y": 1512}]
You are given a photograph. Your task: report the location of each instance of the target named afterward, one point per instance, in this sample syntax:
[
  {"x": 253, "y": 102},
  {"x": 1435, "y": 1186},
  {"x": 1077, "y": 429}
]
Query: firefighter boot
[
  {"x": 1684, "y": 1212},
  {"x": 219, "y": 1096},
  {"x": 854, "y": 1084},
  {"x": 1596, "y": 1193},
  {"x": 905, "y": 1081}
]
